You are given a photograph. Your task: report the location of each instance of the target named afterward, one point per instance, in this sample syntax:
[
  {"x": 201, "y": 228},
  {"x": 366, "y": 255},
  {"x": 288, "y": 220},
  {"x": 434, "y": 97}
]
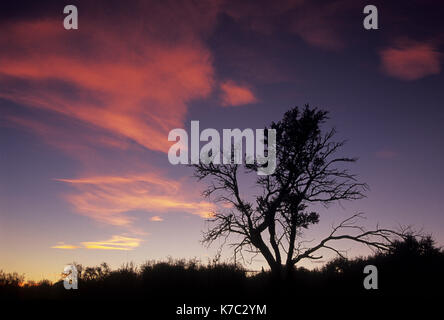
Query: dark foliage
[
  {"x": 410, "y": 267},
  {"x": 309, "y": 171}
]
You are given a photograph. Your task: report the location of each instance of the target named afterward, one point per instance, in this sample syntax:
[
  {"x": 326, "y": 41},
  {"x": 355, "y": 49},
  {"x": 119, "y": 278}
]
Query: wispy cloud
[
  {"x": 108, "y": 199},
  {"x": 62, "y": 245},
  {"x": 409, "y": 60},
  {"x": 116, "y": 242},
  {"x": 156, "y": 219},
  {"x": 234, "y": 94},
  {"x": 124, "y": 89},
  {"x": 133, "y": 88}
]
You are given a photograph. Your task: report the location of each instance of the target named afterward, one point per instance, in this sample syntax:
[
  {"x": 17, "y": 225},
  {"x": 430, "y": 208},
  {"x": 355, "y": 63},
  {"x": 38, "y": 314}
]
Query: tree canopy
[{"x": 308, "y": 171}]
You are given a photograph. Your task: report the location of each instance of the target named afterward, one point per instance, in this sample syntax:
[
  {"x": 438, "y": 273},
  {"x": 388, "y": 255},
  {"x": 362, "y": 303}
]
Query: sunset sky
[{"x": 85, "y": 116}]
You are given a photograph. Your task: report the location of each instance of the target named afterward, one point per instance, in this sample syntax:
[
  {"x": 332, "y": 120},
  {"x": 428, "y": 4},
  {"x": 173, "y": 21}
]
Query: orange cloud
[
  {"x": 119, "y": 87},
  {"x": 115, "y": 243},
  {"x": 116, "y": 83},
  {"x": 108, "y": 199},
  {"x": 410, "y": 60},
  {"x": 236, "y": 95},
  {"x": 132, "y": 87},
  {"x": 61, "y": 245},
  {"x": 156, "y": 219}
]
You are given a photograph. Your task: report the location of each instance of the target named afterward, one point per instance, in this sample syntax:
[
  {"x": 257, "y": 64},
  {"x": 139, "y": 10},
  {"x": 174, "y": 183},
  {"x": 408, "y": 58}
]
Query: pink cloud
[
  {"x": 108, "y": 199},
  {"x": 130, "y": 84},
  {"x": 410, "y": 60},
  {"x": 121, "y": 87},
  {"x": 236, "y": 95}
]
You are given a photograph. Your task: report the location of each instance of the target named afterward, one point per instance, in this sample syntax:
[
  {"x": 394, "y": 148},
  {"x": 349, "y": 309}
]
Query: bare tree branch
[{"x": 307, "y": 172}]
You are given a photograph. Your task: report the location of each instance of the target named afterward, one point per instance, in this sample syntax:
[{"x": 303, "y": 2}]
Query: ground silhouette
[{"x": 411, "y": 267}]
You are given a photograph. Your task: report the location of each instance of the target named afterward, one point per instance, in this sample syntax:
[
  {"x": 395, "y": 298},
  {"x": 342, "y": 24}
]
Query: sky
[{"x": 85, "y": 116}]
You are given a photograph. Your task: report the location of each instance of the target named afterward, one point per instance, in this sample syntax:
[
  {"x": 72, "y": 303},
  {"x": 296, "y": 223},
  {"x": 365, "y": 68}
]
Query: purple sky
[{"x": 85, "y": 116}]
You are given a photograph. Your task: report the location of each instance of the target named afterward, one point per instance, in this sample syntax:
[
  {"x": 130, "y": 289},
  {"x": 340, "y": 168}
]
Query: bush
[{"x": 411, "y": 267}]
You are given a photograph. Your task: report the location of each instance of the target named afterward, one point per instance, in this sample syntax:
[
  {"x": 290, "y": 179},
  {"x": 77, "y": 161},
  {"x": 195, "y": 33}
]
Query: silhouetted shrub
[{"x": 411, "y": 267}]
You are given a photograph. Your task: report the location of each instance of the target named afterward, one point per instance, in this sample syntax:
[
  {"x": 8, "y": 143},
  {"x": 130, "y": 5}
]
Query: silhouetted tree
[{"x": 307, "y": 172}]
